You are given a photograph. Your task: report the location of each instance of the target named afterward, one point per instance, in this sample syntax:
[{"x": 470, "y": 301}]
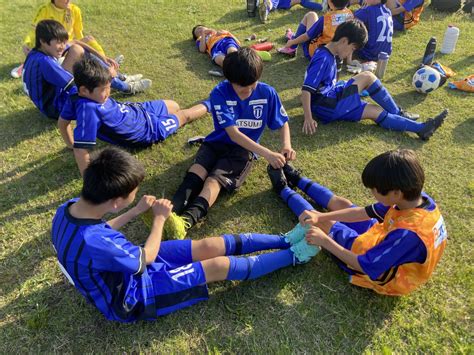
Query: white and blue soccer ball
[{"x": 426, "y": 79}]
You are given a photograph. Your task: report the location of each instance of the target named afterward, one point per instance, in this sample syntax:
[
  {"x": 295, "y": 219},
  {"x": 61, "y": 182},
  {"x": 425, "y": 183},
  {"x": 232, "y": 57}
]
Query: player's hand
[
  {"x": 276, "y": 160},
  {"x": 162, "y": 208},
  {"x": 289, "y": 43},
  {"x": 309, "y": 217},
  {"x": 288, "y": 153},
  {"x": 112, "y": 63},
  {"x": 316, "y": 236},
  {"x": 145, "y": 203},
  {"x": 26, "y": 50},
  {"x": 309, "y": 126}
]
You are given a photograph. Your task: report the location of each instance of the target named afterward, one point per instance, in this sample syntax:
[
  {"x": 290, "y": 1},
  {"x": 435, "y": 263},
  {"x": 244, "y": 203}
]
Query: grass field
[{"x": 309, "y": 308}]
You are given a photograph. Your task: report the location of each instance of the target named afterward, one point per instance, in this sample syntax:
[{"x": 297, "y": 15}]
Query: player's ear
[{"x": 83, "y": 90}]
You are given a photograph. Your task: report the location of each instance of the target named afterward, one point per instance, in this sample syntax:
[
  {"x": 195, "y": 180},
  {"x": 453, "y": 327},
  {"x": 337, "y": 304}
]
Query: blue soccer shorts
[
  {"x": 281, "y": 4},
  {"x": 223, "y": 46},
  {"x": 346, "y": 106},
  {"x": 163, "y": 123},
  {"x": 178, "y": 282}
]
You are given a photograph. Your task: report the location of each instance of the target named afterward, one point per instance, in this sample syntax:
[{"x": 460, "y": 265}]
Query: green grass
[{"x": 309, "y": 308}]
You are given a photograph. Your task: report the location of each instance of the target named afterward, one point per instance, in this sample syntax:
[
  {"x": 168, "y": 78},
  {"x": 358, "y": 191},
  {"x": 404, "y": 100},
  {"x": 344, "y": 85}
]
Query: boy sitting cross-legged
[
  {"x": 129, "y": 124},
  {"x": 322, "y": 97},
  {"x": 127, "y": 282},
  {"x": 241, "y": 107},
  {"x": 392, "y": 246}
]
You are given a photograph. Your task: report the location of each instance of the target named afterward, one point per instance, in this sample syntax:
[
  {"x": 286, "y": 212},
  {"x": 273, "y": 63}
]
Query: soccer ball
[{"x": 426, "y": 79}]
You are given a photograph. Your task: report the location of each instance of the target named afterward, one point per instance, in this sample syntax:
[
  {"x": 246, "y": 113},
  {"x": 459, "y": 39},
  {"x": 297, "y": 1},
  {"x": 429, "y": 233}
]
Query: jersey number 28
[{"x": 386, "y": 33}]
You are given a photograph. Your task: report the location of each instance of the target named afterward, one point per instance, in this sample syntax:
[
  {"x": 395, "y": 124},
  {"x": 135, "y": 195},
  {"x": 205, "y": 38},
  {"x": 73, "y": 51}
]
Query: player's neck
[
  {"x": 405, "y": 205},
  {"x": 332, "y": 47},
  {"x": 84, "y": 210}
]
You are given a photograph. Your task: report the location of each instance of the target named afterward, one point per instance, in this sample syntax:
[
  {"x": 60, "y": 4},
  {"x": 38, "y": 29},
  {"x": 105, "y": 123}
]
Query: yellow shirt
[{"x": 70, "y": 18}]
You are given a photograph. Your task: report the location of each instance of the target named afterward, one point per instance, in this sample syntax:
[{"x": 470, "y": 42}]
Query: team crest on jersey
[
  {"x": 258, "y": 111},
  {"x": 283, "y": 112},
  {"x": 439, "y": 231}
]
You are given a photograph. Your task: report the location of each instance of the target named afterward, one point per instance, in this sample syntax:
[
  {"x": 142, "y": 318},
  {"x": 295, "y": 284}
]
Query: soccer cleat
[
  {"x": 292, "y": 175},
  {"x": 218, "y": 73},
  {"x": 264, "y": 8},
  {"x": 120, "y": 59},
  {"x": 288, "y": 34},
  {"x": 278, "y": 179},
  {"x": 432, "y": 125},
  {"x": 303, "y": 252},
  {"x": 139, "y": 86},
  {"x": 196, "y": 140},
  {"x": 17, "y": 71},
  {"x": 288, "y": 51},
  {"x": 296, "y": 234},
  {"x": 176, "y": 227},
  {"x": 130, "y": 78},
  {"x": 410, "y": 115}
]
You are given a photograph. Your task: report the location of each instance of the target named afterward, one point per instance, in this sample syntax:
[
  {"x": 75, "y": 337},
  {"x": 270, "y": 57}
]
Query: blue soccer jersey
[
  {"x": 125, "y": 124},
  {"x": 111, "y": 272},
  {"x": 400, "y": 246},
  {"x": 46, "y": 83},
  {"x": 379, "y": 23},
  {"x": 321, "y": 75},
  {"x": 262, "y": 108}
]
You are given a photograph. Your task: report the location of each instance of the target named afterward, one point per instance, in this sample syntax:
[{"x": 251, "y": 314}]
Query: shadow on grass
[
  {"x": 462, "y": 133},
  {"x": 19, "y": 126}
]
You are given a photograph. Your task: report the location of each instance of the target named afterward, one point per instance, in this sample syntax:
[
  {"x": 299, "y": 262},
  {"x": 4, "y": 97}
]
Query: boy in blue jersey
[
  {"x": 391, "y": 246},
  {"x": 377, "y": 18},
  {"x": 241, "y": 107},
  {"x": 128, "y": 282},
  {"x": 130, "y": 124},
  {"x": 267, "y": 6},
  {"x": 320, "y": 95},
  {"x": 45, "y": 81}
]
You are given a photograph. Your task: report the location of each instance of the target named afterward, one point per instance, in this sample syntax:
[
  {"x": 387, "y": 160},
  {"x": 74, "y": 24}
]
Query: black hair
[
  {"x": 47, "y": 30},
  {"x": 395, "y": 170},
  {"x": 111, "y": 173},
  {"x": 194, "y": 29},
  {"x": 340, "y": 4},
  {"x": 355, "y": 32},
  {"x": 243, "y": 67},
  {"x": 90, "y": 73},
  {"x": 383, "y": 2}
]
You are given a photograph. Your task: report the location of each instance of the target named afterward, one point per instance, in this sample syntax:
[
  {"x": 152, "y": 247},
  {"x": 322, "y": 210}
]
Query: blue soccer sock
[
  {"x": 120, "y": 85},
  {"x": 310, "y": 4},
  {"x": 252, "y": 267},
  {"x": 295, "y": 201},
  {"x": 299, "y": 31},
  {"x": 320, "y": 194},
  {"x": 246, "y": 243},
  {"x": 380, "y": 95},
  {"x": 398, "y": 123}
]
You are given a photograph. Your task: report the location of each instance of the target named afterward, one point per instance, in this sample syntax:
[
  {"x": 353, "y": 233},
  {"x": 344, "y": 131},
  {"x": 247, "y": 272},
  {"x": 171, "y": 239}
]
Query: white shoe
[
  {"x": 17, "y": 72},
  {"x": 130, "y": 78},
  {"x": 139, "y": 86}
]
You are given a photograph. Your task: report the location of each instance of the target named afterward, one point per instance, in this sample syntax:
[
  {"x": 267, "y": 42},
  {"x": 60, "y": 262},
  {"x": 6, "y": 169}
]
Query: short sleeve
[
  {"x": 111, "y": 251},
  {"x": 412, "y": 4},
  {"x": 68, "y": 111},
  {"x": 277, "y": 115},
  {"x": 55, "y": 74},
  {"x": 222, "y": 112},
  {"x": 362, "y": 14},
  {"x": 85, "y": 133},
  {"x": 377, "y": 211},
  {"x": 317, "y": 69},
  {"x": 317, "y": 29},
  {"x": 400, "y": 246},
  {"x": 78, "y": 27}
]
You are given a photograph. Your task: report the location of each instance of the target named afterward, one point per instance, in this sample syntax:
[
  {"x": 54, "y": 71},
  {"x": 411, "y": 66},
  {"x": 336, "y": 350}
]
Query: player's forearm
[
  {"x": 65, "y": 129},
  {"x": 355, "y": 214},
  {"x": 245, "y": 142},
  {"x": 152, "y": 244},
  {"x": 202, "y": 45},
  {"x": 91, "y": 50},
  {"x": 119, "y": 221},
  {"x": 342, "y": 254},
  {"x": 306, "y": 102},
  {"x": 82, "y": 159},
  {"x": 300, "y": 39},
  {"x": 285, "y": 137}
]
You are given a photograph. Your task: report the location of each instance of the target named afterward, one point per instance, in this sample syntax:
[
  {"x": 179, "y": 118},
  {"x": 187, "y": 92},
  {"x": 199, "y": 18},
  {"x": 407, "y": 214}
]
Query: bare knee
[
  {"x": 367, "y": 77},
  {"x": 310, "y": 17},
  {"x": 216, "y": 269},
  {"x": 76, "y": 51},
  {"x": 339, "y": 203},
  {"x": 208, "y": 248},
  {"x": 88, "y": 38},
  {"x": 199, "y": 170},
  {"x": 172, "y": 106}
]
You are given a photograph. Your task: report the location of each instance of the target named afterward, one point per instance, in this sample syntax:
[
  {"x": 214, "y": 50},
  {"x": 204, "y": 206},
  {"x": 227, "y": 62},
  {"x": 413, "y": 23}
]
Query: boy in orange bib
[{"x": 392, "y": 246}]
